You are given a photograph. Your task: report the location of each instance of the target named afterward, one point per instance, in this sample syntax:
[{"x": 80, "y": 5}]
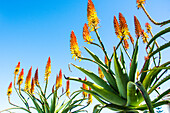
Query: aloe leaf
[
  {"x": 146, "y": 65},
  {"x": 53, "y": 102},
  {"x": 97, "y": 108},
  {"x": 133, "y": 67},
  {"x": 15, "y": 108},
  {"x": 160, "y": 49},
  {"x": 38, "y": 108},
  {"x": 107, "y": 73},
  {"x": 121, "y": 77},
  {"x": 145, "y": 96},
  {"x": 157, "y": 35},
  {"x": 131, "y": 94},
  {"x": 108, "y": 95},
  {"x": 159, "y": 83},
  {"x": 160, "y": 96},
  {"x": 123, "y": 60},
  {"x": 152, "y": 75},
  {"x": 95, "y": 78}
]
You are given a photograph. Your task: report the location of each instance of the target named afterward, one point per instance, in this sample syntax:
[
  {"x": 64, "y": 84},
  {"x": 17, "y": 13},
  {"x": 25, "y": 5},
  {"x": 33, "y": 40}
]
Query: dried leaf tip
[
  {"x": 92, "y": 18},
  {"x": 74, "y": 46},
  {"x": 86, "y": 34}
]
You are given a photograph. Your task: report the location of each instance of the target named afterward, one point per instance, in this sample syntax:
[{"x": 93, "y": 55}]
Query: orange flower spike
[
  {"x": 57, "y": 82},
  {"x": 9, "y": 92},
  {"x": 60, "y": 78},
  {"x": 68, "y": 88},
  {"x": 138, "y": 28},
  {"x": 92, "y": 18},
  {"x": 148, "y": 27},
  {"x": 85, "y": 87},
  {"x": 89, "y": 97},
  {"x": 140, "y": 3},
  {"x": 20, "y": 77},
  {"x": 74, "y": 46},
  {"x": 32, "y": 86},
  {"x": 126, "y": 44},
  {"x": 131, "y": 38},
  {"x": 17, "y": 68},
  {"x": 101, "y": 75},
  {"x": 86, "y": 34},
  {"x": 28, "y": 80},
  {"x": 48, "y": 69},
  {"x": 36, "y": 77},
  {"x": 116, "y": 26},
  {"x": 123, "y": 26},
  {"x": 144, "y": 36},
  {"x": 53, "y": 89},
  {"x": 106, "y": 61}
]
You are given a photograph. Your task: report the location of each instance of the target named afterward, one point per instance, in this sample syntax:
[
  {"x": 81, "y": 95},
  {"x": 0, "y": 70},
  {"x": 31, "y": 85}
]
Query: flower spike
[
  {"x": 85, "y": 87},
  {"x": 92, "y": 18},
  {"x": 126, "y": 44},
  {"x": 57, "y": 82},
  {"x": 17, "y": 68},
  {"x": 131, "y": 39},
  {"x": 32, "y": 86},
  {"x": 89, "y": 97},
  {"x": 101, "y": 75},
  {"x": 86, "y": 34},
  {"x": 68, "y": 88},
  {"x": 140, "y": 3},
  {"x": 123, "y": 26},
  {"x": 117, "y": 28},
  {"x": 48, "y": 69},
  {"x": 9, "y": 92},
  {"x": 60, "y": 78},
  {"x": 36, "y": 77},
  {"x": 20, "y": 79},
  {"x": 138, "y": 28},
  {"x": 106, "y": 61},
  {"x": 148, "y": 27},
  {"x": 74, "y": 46},
  {"x": 144, "y": 36},
  {"x": 28, "y": 80}
]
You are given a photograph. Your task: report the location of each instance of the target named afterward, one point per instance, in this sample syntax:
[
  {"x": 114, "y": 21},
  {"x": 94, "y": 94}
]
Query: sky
[{"x": 33, "y": 30}]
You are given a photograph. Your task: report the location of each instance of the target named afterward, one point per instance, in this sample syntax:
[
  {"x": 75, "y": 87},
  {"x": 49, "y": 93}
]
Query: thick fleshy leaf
[
  {"x": 97, "y": 108},
  {"x": 158, "y": 35},
  {"x": 145, "y": 96},
  {"x": 123, "y": 60},
  {"x": 131, "y": 94},
  {"x": 108, "y": 95},
  {"x": 53, "y": 102},
  {"x": 133, "y": 67},
  {"x": 121, "y": 77},
  {"x": 95, "y": 78}
]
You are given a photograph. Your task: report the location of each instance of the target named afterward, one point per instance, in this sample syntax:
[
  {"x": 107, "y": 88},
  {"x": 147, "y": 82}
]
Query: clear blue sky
[{"x": 33, "y": 30}]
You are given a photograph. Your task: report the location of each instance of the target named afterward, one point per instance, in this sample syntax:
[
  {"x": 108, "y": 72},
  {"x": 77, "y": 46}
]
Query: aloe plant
[
  {"x": 123, "y": 89},
  {"x": 39, "y": 100}
]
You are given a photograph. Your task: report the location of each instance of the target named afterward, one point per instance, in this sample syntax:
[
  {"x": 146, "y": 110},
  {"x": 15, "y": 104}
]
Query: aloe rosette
[{"x": 123, "y": 89}]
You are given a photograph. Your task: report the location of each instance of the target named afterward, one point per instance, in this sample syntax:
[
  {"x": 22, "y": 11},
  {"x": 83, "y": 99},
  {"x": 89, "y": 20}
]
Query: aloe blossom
[
  {"x": 48, "y": 69},
  {"x": 28, "y": 80},
  {"x": 9, "y": 92}
]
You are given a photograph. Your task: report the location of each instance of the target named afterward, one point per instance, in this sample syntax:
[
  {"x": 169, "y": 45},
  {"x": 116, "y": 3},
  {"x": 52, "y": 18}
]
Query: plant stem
[{"x": 153, "y": 21}]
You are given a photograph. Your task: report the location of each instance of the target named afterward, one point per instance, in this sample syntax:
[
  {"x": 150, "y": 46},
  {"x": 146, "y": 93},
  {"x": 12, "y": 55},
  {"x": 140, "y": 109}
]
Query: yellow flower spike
[
  {"x": 140, "y": 3},
  {"x": 89, "y": 97},
  {"x": 28, "y": 81},
  {"x": 101, "y": 75},
  {"x": 148, "y": 27},
  {"x": 86, "y": 88},
  {"x": 36, "y": 77},
  {"x": 60, "y": 78},
  {"x": 32, "y": 86},
  {"x": 20, "y": 79},
  {"x": 86, "y": 34},
  {"x": 68, "y": 88},
  {"x": 131, "y": 38},
  {"x": 123, "y": 26},
  {"x": 117, "y": 28},
  {"x": 138, "y": 28},
  {"x": 92, "y": 18},
  {"x": 126, "y": 44},
  {"x": 9, "y": 92},
  {"x": 48, "y": 69},
  {"x": 106, "y": 61},
  {"x": 74, "y": 46},
  {"x": 144, "y": 36}
]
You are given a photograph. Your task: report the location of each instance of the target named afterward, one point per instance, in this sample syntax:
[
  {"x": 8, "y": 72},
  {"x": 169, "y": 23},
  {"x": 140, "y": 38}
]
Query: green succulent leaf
[
  {"x": 121, "y": 77},
  {"x": 131, "y": 94},
  {"x": 97, "y": 108},
  {"x": 158, "y": 35},
  {"x": 108, "y": 95},
  {"x": 123, "y": 60},
  {"x": 53, "y": 102},
  {"x": 133, "y": 67}
]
